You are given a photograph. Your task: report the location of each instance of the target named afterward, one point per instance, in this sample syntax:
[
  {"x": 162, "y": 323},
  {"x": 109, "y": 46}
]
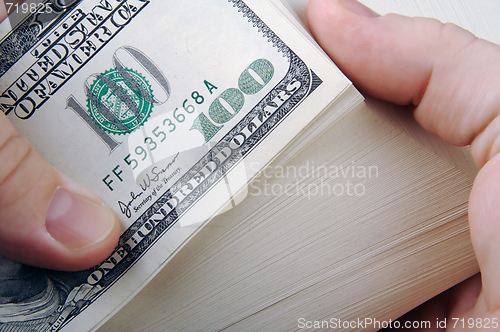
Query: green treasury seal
[{"x": 120, "y": 101}]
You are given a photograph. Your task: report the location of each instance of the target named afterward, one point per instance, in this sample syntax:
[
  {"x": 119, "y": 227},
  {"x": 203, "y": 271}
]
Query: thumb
[{"x": 47, "y": 219}]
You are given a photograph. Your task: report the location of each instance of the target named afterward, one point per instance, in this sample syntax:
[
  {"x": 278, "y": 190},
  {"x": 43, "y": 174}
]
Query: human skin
[
  {"x": 452, "y": 79},
  {"x": 3, "y": 11},
  {"x": 47, "y": 219}
]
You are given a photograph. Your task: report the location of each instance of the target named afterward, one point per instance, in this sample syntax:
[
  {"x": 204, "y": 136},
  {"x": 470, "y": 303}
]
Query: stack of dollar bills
[
  {"x": 166, "y": 110},
  {"x": 255, "y": 189}
]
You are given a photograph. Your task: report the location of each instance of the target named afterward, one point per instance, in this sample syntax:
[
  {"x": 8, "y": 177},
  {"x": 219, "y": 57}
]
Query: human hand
[
  {"x": 47, "y": 219},
  {"x": 453, "y": 80}
]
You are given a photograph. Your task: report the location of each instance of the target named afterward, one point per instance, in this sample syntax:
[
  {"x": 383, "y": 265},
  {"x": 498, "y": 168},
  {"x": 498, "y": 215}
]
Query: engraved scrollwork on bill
[
  {"x": 73, "y": 40},
  {"x": 31, "y": 31}
]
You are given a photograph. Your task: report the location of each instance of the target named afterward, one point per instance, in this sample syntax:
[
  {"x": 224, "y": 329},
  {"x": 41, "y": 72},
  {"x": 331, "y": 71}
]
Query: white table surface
[{"x": 481, "y": 17}]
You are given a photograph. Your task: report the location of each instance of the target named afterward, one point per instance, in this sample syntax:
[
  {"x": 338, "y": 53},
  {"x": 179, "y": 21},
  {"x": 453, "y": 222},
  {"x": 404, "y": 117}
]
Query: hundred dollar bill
[{"x": 163, "y": 108}]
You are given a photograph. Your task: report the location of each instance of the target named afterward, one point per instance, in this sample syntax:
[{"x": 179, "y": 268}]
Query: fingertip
[
  {"x": 76, "y": 222},
  {"x": 88, "y": 231},
  {"x": 74, "y": 234},
  {"x": 80, "y": 251}
]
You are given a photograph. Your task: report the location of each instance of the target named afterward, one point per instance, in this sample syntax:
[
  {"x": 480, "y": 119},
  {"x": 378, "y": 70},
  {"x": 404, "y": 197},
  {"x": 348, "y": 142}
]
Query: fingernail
[
  {"x": 358, "y": 8},
  {"x": 76, "y": 222}
]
